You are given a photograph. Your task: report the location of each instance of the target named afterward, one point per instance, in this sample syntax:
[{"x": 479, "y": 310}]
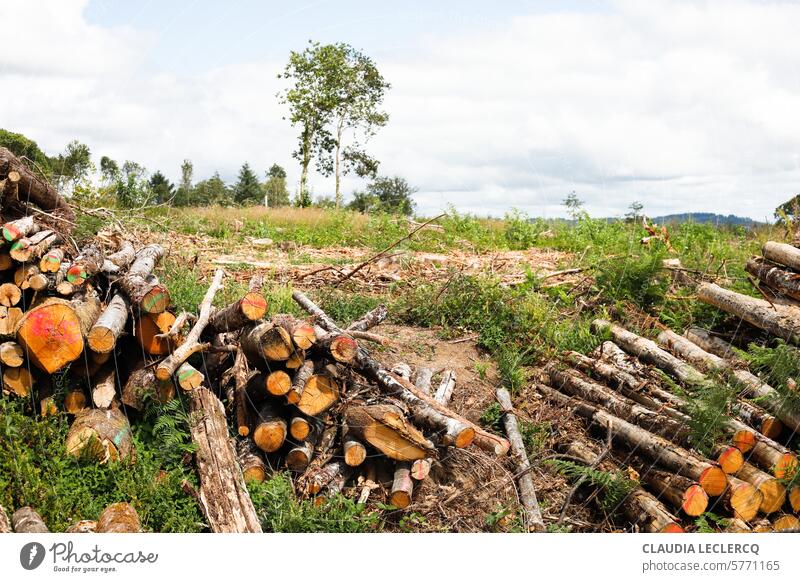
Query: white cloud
[{"x": 684, "y": 106}]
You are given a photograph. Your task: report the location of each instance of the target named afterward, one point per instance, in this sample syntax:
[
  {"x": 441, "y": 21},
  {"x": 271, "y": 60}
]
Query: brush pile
[
  {"x": 642, "y": 394},
  {"x": 88, "y": 331}
]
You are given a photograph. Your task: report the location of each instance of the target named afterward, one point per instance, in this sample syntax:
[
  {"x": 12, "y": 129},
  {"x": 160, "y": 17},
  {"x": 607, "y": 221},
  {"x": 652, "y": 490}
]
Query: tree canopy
[
  {"x": 275, "y": 187},
  {"x": 384, "y": 194},
  {"x": 247, "y": 190}
]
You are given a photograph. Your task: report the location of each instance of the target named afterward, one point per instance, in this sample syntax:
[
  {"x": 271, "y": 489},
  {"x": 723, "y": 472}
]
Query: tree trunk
[
  {"x": 527, "y": 492},
  {"x": 319, "y": 394},
  {"x": 782, "y": 281},
  {"x": 355, "y": 453},
  {"x": 302, "y": 333},
  {"x": 677, "y": 490},
  {"x": 33, "y": 189},
  {"x": 672, "y": 457},
  {"x": 647, "y": 351},
  {"x": 385, "y": 428},
  {"x": 104, "y": 388},
  {"x": 245, "y": 311},
  {"x": 642, "y": 508},
  {"x": 742, "y": 498},
  {"x": 12, "y": 354},
  {"x": 51, "y": 261},
  {"x": 772, "y": 490},
  {"x": 573, "y": 383},
  {"x": 766, "y": 453},
  {"x": 86, "y": 265},
  {"x": 119, "y": 518},
  {"x": 298, "y": 383},
  {"x": 121, "y": 259},
  {"x": 270, "y": 431},
  {"x": 780, "y": 320},
  {"x": 223, "y": 493},
  {"x": 143, "y": 384},
  {"x": 370, "y": 319},
  {"x": 279, "y": 383},
  {"x": 27, "y": 249},
  {"x": 251, "y": 461},
  {"x": 782, "y": 254},
  {"x": 102, "y": 434},
  {"x": 373, "y": 370},
  {"x": 337, "y": 170},
  {"x": 240, "y": 379},
  {"x": 402, "y": 486},
  {"x": 51, "y": 333},
  {"x": 20, "y": 228},
  {"x": 266, "y": 342},
  {"x": 109, "y": 326},
  {"x": 191, "y": 344},
  {"x": 26, "y": 520},
  {"x": 189, "y": 377},
  {"x": 730, "y": 459},
  {"x": 145, "y": 293},
  {"x": 300, "y": 455}
]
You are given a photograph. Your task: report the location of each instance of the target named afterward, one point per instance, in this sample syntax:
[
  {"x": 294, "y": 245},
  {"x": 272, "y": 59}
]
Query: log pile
[{"x": 619, "y": 389}]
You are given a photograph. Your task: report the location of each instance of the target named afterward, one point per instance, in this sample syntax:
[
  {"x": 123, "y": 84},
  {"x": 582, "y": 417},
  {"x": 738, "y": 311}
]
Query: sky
[{"x": 683, "y": 106}]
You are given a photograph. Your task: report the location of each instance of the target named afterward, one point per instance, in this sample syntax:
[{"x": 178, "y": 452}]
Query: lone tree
[
  {"x": 183, "y": 195},
  {"x": 212, "y": 191},
  {"x": 109, "y": 169},
  {"x": 335, "y": 88},
  {"x": 634, "y": 211},
  {"x": 574, "y": 205},
  {"x": 275, "y": 189},
  {"x": 247, "y": 190}
]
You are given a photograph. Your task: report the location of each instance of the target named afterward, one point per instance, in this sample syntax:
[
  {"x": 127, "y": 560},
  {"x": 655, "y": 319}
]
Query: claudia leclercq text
[{"x": 719, "y": 566}]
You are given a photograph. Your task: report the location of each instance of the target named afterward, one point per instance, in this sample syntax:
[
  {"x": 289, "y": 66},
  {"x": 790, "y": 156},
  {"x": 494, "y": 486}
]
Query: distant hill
[{"x": 706, "y": 218}]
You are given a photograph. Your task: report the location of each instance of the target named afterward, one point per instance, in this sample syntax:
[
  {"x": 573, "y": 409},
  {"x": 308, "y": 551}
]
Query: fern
[
  {"x": 780, "y": 366},
  {"x": 710, "y": 522},
  {"x": 614, "y": 485},
  {"x": 710, "y": 407},
  {"x": 171, "y": 427}
]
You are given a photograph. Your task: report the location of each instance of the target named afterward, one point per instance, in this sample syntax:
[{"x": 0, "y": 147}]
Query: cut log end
[
  {"x": 730, "y": 460},
  {"x": 344, "y": 349},
  {"x": 713, "y": 481},
  {"x": 786, "y": 522},
  {"x": 695, "y": 501},
  {"x": 355, "y": 453},
  {"x": 794, "y": 498},
  {"x": 304, "y": 336},
  {"x": 156, "y": 300},
  {"x": 51, "y": 335},
  {"x": 254, "y": 306},
  {"x": 299, "y": 428},
  {"x": 771, "y": 427},
  {"x": 744, "y": 440},
  {"x": 319, "y": 394},
  {"x": 269, "y": 436},
  {"x": 672, "y": 527},
  {"x": 745, "y": 500},
  {"x": 278, "y": 383}
]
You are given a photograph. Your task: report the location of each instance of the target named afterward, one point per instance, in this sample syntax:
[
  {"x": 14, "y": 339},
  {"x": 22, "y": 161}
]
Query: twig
[{"x": 387, "y": 249}]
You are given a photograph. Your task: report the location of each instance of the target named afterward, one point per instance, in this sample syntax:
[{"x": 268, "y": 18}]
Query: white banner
[{"x": 400, "y": 557}]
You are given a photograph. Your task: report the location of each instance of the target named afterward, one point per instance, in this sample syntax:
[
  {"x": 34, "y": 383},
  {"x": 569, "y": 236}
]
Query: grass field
[{"x": 518, "y": 327}]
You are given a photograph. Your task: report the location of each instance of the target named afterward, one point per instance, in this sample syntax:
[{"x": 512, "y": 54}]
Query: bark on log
[
  {"x": 713, "y": 344},
  {"x": 385, "y": 428},
  {"x": 33, "y": 247},
  {"x": 574, "y": 383},
  {"x": 422, "y": 380},
  {"x": 189, "y": 377},
  {"x": 527, "y": 492},
  {"x": 86, "y": 265},
  {"x": 265, "y": 343},
  {"x": 33, "y": 189},
  {"x": 5, "y": 523},
  {"x": 782, "y": 253},
  {"x": 20, "y": 228},
  {"x": 51, "y": 261},
  {"x": 302, "y": 333},
  {"x": 639, "y": 390},
  {"x": 191, "y": 344},
  {"x": 784, "y": 282},
  {"x": 142, "y": 385},
  {"x": 103, "y": 435},
  {"x": 223, "y": 493},
  {"x": 772, "y": 490},
  {"x": 251, "y": 461},
  {"x": 647, "y": 351},
  {"x": 119, "y": 518},
  {"x": 679, "y": 491},
  {"x": 27, "y": 520},
  {"x": 121, "y": 259},
  {"x": 766, "y": 453},
  {"x": 250, "y": 308},
  {"x": 402, "y": 486},
  {"x": 742, "y": 498},
  {"x": 445, "y": 391},
  {"x": 146, "y": 294},
  {"x": 370, "y": 319},
  {"x": 298, "y": 383},
  {"x": 241, "y": 377},
  {"x": 677, "y": 459},
  {"x": 643, "y": 509},
  {"x": 109, "y": 326},
  {"x": 374, "y": 371},
  {"x": 780, "y": 320}
]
